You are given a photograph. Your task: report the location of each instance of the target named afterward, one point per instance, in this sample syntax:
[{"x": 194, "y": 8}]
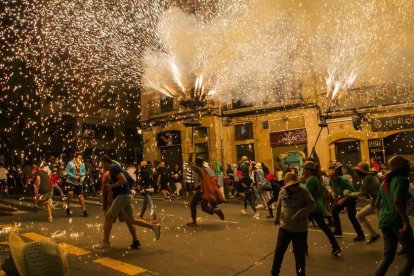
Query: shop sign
[
  {"x": 375, "y": 147},
  {"x": 290, "y": 137},
  {"x": 377, "y": 95},
  {"x": 168, "y": 138},
  {"x": 393, "y": 123}
]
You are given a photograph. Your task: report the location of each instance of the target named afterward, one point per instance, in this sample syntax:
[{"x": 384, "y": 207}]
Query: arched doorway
[
  {"x": 401, "y": 143},
  {"x": 348, "y": 152}
]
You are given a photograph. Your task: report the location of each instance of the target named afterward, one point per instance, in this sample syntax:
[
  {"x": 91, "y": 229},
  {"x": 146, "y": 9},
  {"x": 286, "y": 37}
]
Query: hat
[
  {"x": 205, "y": 164},
  {"x": 310, "y": 165},
  {"x": 398, "y": 162},
  {"x": 258, "y": 165},
  {"x": 43, "y": 257},
  {"x": 362, "y": 167},
  {"x": 337, "y": 165}
]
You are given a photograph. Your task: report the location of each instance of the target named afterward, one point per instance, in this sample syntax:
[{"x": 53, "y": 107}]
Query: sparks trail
[{"x": 255, "y": 263}]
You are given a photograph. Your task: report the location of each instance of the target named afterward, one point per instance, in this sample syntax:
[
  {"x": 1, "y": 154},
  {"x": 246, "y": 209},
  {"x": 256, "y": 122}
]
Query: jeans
[
  {"x": 299, "y": 246},
  {"x": 361, "y": 216},
  {"x": 198, "y": 198},
  {"x": 248, "y": 197},
  {"x": 320, "y": 221},
  {"x": 270, "y": 202},
  {"x": 57, "y": 187},
  {"x": 391, "y": 239},
  {"x": 350, "y": 205},
  {"x": 147, "y": 202}
]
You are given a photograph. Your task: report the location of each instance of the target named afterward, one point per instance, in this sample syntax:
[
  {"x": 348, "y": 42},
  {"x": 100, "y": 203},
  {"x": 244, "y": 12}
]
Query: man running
[
  {"x": 206, "y": 192},
  {"x": 369, "y": 188},
  {"x": 122, "y": 203},
  {"x": 340, "y": 187},
  {"x": 107, "y": 198},
  {"x": 145, "y": 183},
  {"x": 75, "y": 172},
  {"x": 314, "y": 185}
]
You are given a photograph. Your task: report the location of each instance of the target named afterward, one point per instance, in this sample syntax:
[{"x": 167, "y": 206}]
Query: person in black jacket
[
  {"x": 275, "y": 194},
  {"x": 146, "y": 188}
]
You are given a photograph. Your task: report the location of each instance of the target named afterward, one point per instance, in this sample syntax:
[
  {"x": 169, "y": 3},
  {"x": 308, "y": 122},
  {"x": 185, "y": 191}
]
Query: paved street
[{"x": 213, "y": 248}]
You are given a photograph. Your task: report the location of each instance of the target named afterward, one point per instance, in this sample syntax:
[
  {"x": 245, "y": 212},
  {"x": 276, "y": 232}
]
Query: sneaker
[
  {"x": 68, "y": 212},
  {"x": 157, "y": 231},
  {"x": 85, "y": 214},
  {"x": 359, "y": 238},
  {"x": 244, "y": 212},
  {"x": 336, "y": 251},
  {"x": 50, "y": 219},
  {"x": 102, "y": 245},
  {"x": 270, "y": 217},
  {"x": 191, "y": 224},
  {"x": 256, "y": 216},
  {"x": 373, "y": 239},
  {"x": 219, "y": 213},
  {"x": 135, "y": 245}
]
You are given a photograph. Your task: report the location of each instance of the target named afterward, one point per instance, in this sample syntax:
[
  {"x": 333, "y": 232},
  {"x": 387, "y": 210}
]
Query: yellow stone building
[{"x": 282, "y": 134}]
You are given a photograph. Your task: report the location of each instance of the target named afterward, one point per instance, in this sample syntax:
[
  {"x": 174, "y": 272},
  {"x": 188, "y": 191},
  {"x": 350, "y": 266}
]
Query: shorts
[
  {"x": 76, "y": 189},
  {"x": 122, "y": 205},
  {"x": 46, "y": 198},
  {"x": 188, "y": 187}
]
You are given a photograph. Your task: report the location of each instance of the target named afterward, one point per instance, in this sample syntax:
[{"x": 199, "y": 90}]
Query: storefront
[{"x": 289, "y": 149}]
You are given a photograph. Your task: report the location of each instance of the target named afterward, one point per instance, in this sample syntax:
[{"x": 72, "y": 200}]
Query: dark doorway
[
  {"x": 171, "y": 156},
  {"x": 245, "y": 150},
  {"x": 348, "y": 153},
  {"x": 401, "y": 143}
]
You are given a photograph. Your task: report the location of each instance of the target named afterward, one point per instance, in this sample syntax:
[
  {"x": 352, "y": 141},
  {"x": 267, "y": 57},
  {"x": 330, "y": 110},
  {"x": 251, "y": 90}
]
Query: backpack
[{"x": 130, "y": 180}]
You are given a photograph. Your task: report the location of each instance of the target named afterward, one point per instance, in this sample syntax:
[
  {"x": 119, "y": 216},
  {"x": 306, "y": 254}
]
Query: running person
[
  {"x": 145, "y": 183},
  {"x": 122, "y": 203},
  {"x": 107, "y": 198},
  {"x": 314, "y": 185},
  {"x": 75, "y": 170}
]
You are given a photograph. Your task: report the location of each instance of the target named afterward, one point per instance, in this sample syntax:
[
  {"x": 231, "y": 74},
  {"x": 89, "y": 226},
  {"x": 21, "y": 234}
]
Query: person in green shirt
[
  {"x": 313, "y": 184},
  {"x": 369, "y": 188},
  {"x": 340, "y": 186},
  {"x": 392, "y": 199}
]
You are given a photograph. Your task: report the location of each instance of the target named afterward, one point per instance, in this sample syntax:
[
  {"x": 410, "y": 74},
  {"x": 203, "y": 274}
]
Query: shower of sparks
[{"x": 85, "y": 58}]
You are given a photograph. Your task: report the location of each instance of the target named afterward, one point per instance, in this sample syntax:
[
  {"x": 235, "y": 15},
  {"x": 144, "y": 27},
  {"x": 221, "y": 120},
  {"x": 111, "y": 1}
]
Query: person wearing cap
[
  {"x": 313, "y": 183},
  {"x": 369, "y": 188},
  {"x": 206, "y": 191},
  {"x": 340, "y": 187},
  {"x": 293, "y": 208},
  {"x": 43, "y": 257},
  {"x": 392, "y": 199}
]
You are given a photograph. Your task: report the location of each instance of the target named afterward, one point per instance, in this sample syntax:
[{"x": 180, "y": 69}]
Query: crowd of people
[{"x": 292, "y": 199}]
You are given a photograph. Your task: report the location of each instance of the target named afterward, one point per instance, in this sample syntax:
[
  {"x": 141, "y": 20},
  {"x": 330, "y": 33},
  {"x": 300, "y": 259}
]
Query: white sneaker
[
  {"x": 157, "y": 231},
  {"x": 102, "y": 245},
  {"x": 256, "y": 216},
  {"x": 50, "y": 219},
  {"x": 244, "y": 212}
]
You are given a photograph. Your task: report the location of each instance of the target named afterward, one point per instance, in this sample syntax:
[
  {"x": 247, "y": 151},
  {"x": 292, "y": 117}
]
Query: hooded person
[
  {"x": 392, "y": 199},
  {"x": 293, "y": 208},
  {"x": 206, "y": 192}
]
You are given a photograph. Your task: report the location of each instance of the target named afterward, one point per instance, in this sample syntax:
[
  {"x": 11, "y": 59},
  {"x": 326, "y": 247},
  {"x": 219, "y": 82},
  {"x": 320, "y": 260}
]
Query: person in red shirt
[{"x": 55, "y": 182}]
